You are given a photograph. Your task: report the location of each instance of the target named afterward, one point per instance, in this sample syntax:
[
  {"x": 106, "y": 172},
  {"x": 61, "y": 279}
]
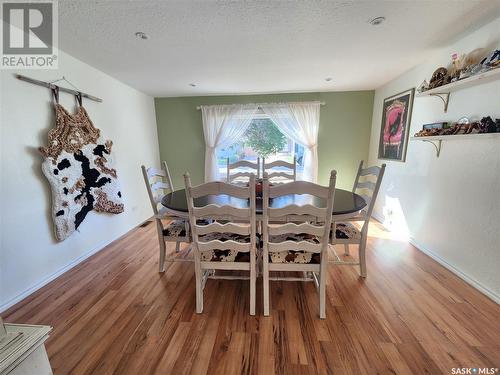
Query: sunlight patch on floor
[{"x": 394, "y": 223}]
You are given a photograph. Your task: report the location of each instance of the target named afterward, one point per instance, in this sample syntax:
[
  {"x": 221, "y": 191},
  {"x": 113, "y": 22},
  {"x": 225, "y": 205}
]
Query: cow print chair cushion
[
  {"x": 224, "y": 255},
  {"x": 176, "y": 228},
  {"x": 346, "y": 231},
  {"x": 293, "y": 256}
]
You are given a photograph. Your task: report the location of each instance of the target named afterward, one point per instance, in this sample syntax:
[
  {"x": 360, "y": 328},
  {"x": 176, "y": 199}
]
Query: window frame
[{"x": 260, "y": 114}]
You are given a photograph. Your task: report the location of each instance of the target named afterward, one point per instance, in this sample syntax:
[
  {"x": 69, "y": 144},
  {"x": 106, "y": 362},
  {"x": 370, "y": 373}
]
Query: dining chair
[
  {"x": 158, "y": 184},
  {"x": 367, "y": 185},
  {"x": 296, "y": 237},
  {"x": 227, "y": 245},
  {"x": 243, "y": 170},
  {"x": 280, "y": 171}
]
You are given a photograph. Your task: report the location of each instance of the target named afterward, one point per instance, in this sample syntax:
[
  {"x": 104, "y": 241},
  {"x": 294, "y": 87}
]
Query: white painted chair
[
  {"x": 243, "y": 169},
  {"x": 301, "y": 244},
  {"x": 159, "y": 183},
  {"x": 227, "y": 245},
  {"x": 280, "y": 171},
  {"x": 366, "y": 184}
]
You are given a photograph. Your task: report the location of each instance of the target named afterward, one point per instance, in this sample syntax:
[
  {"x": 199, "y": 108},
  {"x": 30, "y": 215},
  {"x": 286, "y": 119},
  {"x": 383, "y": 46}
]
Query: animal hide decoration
[{"x": 78, "y": 165}]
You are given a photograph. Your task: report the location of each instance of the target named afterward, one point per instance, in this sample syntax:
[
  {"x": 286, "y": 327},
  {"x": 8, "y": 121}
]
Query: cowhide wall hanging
[{"x": 78, "y": 165}]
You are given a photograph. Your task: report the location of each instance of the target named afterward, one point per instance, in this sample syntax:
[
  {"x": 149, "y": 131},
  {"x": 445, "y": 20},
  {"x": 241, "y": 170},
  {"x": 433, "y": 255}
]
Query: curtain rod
[
  {"x": 261, "y": 104},
  {"x": 51, "y": 86}
]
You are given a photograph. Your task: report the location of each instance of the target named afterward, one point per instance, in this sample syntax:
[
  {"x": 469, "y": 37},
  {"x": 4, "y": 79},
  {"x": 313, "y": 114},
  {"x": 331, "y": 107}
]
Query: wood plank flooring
[{"x": 114, "y": 313}]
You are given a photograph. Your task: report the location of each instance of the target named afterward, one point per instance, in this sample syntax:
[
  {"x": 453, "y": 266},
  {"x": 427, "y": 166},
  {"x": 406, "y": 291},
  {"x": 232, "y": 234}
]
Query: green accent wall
[{"x": 344, "y": 132}]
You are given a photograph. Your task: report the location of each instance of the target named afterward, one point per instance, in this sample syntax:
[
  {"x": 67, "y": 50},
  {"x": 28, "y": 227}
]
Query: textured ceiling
[{"x": 234, "y": 47}]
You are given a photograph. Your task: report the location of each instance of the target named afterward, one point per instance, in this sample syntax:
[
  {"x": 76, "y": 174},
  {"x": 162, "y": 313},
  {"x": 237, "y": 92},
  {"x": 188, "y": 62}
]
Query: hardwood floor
[{"x": 114, "y": 313}]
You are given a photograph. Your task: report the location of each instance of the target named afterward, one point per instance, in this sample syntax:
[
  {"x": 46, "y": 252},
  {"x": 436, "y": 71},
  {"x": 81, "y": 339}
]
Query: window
[{"x": 264, "y": 139}]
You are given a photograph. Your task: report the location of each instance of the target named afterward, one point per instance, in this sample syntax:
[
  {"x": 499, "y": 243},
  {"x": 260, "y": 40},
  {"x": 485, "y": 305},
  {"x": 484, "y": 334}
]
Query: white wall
[
  {"x": 450, "y": 205},
  {"x": 29, "y": 254}
]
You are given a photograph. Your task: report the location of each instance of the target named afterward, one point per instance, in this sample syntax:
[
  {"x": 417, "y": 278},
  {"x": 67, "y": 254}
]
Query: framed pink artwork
[{"x": 396, "y": 119}]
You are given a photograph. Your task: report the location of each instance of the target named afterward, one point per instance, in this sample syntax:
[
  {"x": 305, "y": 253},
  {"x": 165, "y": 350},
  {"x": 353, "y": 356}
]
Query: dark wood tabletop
[{"x": 345, "y": 202}]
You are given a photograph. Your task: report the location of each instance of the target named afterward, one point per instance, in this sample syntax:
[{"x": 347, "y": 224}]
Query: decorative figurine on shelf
[
  {"x": 457, "y": 64},
  {"x": 492, "y": 60},
  {"x": 472, "y": 64},
  {"x": 474, "y": 128},
  {"x": 428, "y": 132},
  {"x": 488, "y": 125},
  {"x": 464, "y": 126},
  {"x": 437, "y": 128},
  {"x": 461, "y": 126},
  {"x": 439, "y": 78},
  {"x": 470, "y": 70},
  {"x": 424, "y": 86},
  {"x": 448, "y": 131},
  {"x": 459, "y": 129}
]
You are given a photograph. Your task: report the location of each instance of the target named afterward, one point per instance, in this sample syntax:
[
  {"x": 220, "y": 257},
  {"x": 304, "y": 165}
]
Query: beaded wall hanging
[{"x": 78, "y": 165}]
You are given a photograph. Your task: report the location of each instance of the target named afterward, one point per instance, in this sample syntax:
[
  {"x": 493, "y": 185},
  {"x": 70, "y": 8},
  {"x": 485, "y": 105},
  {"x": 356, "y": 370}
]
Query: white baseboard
[
  {"x": 469, "y": 280},
  {"x": 59, "y": 272}
]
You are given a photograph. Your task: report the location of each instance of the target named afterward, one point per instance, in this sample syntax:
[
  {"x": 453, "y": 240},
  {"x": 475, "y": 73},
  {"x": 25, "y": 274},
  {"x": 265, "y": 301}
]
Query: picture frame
[{"x": 395, "y": 127}]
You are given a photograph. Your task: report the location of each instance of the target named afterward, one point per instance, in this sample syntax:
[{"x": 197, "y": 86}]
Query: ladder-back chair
[
  {"x": 224, "y": 245},
  {"x": 366, "y": 184},
  {"x": 301, "y": 244},
  {"x": 280, "y": 171},
  {"x": 243, "y": 169},
  {"x": 159, "y": 183}
]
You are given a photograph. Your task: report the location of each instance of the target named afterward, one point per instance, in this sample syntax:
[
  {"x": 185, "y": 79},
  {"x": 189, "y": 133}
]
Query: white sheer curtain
[
  {"x": 300, "y": 122},
  {"x": 222, "y": 126}
]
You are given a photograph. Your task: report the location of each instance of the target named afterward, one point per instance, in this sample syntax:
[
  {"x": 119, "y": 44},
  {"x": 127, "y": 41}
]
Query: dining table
[{"x": 346, "y": 204}]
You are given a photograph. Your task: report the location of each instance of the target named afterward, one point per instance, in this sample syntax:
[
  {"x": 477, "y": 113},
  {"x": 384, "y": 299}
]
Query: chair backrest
[
  {"x": 367, "y": 184},
  {"x": 245, "y": 216},
  {"x": 301, "y": 216},
  {"x": 244, "y": 169},
  {"x": 280, "y": 171},
  {"x": 158, "y": 183}
]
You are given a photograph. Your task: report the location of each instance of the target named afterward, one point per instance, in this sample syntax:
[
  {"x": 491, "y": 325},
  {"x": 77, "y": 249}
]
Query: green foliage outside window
[{"x": 264, "y": 137}]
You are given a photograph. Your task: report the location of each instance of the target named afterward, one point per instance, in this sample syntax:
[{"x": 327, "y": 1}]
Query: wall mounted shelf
[
  {"x": 436, "y": 141},
  {"x": 443, "y": 92}
]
